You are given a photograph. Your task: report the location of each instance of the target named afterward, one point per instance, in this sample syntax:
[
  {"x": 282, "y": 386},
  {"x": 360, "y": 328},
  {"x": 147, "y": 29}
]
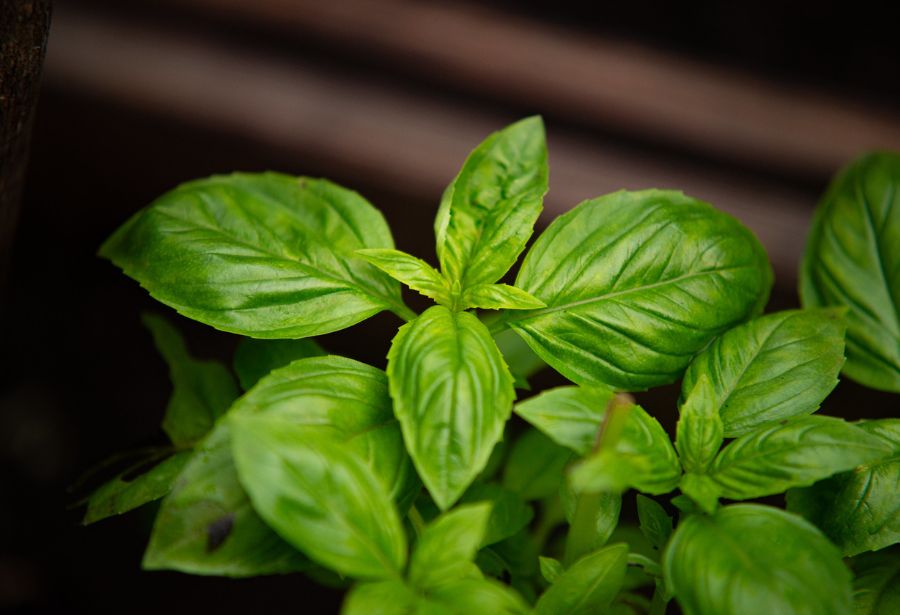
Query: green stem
[
  {"x": 415, "y": 517},
  {"x": 583, "y": 530},
  {"x": 403, "y": 311}
]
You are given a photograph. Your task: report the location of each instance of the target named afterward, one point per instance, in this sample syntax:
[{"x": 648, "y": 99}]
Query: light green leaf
[
  {"x": 852, "y": 259},
  {"x": 699, "y": 431},
  {"x": 588, "y": 586},
  {"x": 122, "y": 494},
  {"x": 756, "y": 557},
  {"x": 773, "y": 459},
  {"x": 551, "y": 569},
  {"x": 319, "y": 496},
  {"x": 452, "y": 395},
  {"x": 535, "y": 466},
  {"x": 771, "y": 368},
  {"x": 570, "y": 415},
  {"x": 201, "y": 390},
  {"x": 858, "y": 510},
  {"x": 264, "y": 255},
  {"x": 876, "y": 586},
  {"x": 447, "y": 546},
  {"x": 488, "y": 213},
  {"x": 206, "y": 525},
  {"x": 593, "y": 517},
  {"x": 411, "y": 271},
  {"x": 509, "y": 513},
  {"x": 655, "y": 523},
  {"x": 467, "y": 596},
  {"x": 635, "y": 284},
  {"x": 254, "y": 359},
  {"x": 498, "y": 297},
  {"x": 392, "y": 597},
  {"x": 703, "y": 491}
]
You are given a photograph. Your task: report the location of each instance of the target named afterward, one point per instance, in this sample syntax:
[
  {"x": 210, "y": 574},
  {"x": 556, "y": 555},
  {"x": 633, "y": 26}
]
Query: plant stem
[
  {"x": 583, "y": 530},
  {"x": 403, "y": 311},
  {"x": 415, "y": 517}
]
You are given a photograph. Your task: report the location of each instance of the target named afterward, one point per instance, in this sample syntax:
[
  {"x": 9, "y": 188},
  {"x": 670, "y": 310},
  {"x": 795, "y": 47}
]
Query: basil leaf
[
  {"x": 467, "y": 596},
  {"x": 522, "y": 361},
  {"x": 772, "y": 459},
  {"x": 784, "y": 565},
  {"x": 498, "y": 297},
  {"x": 254, "y": 359},
  {"x": 858, "y": 510},
  {"x": 509, "y": 513},
  {"x": 201, "y": 390},
  {"x": 635, "y": 284},
  {"x": 641, "y": 458},
  {"x": 655, "y": 524},
  {"x": 703, "y": 491},
  {"x": 319, "y": 496},
  {"x": 593, "y": 517},
  {"x": 876, "y": 586},
  {"x": 121, "y": 495},
  {"x": 452, "y": 395},
  {"x": 447, "y": 546},
  {"x": 771, "y": 368},
  {"x": 571, "y": 416},
  {"x": 488, "y": 213},
  {"x": 411, "y": 271},
  {"x": 588, "y": 586},
  {"x": 852, "y": 259},
  {"x": 535, "y": 466},
  {"x": 551, "y": 569},
  {"x": 699, "y": 430},
  {"x": 392, "y": 597},
  {"x": 206, "y": 525},
  {"x": 264, "y": 255}
]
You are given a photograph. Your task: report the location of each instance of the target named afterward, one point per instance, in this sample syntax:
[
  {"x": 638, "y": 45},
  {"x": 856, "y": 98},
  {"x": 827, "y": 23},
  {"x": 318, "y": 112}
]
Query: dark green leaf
[
  {"x": 452, "y": 395},
  {"x": 772, "y": 368},
  {"x": 551, "y": 569},
  {"x": 588, "y": 586},
  {"x": 447, "y": 547},
  {"x": 509, "y": 513},
  {"x": 254, "y": 359},
  {"x": 758, "y": 558},
  {"x": 571, "y": 416},
  {"x": 876, "y": 586},
  {"x": 522, "y": 361},
  {"x": 498, "y": 297},
  {"x": 411, "y": 271},
  {"x": 699, "y": 431},
  {"x": 266, "y": 255},
  {"x": 593, "y": 518},
  {"x": 853, "y": 260},
  {"x": 656, "y": 525},
  {"x": 635, "y": 284},
  {"x": 535, "y": 466}
]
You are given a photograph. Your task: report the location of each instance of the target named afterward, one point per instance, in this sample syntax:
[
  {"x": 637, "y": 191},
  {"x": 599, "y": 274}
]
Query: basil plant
[{"x": 412, "y": 487}]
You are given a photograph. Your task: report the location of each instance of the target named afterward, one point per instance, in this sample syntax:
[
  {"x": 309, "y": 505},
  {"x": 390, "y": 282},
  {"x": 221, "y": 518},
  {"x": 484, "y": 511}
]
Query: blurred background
[{"x": 749, "y": 105}]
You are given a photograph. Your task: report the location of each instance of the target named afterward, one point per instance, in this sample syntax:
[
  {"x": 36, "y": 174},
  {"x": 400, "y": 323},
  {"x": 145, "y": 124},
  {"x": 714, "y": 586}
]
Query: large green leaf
[
  {"x": 535, "y": 466},
  {"x": 876, "y": 583},
  {"x": 452, "y": 395},
  {"x": 207, "y": 525},
  {"x": 751, "y": 558},
  {"x": 699, "y": 430},
  {"x": 771, "y": 368},
  {"x": 773, "y": 459},
  {"x": 853, "y": 260},
  {"x": 254, "y": 359},
  {"x": 201, "y": 390},
  {"x": 635, "y": 284},
  {"x": 858, "y": 510},
  {"x": 266, "y": 255},
  {"x": 570, "y": 415},
  {"x": 588, "y": 586},
  {"x": 447, "y": 546},
  {"x": 488, "y": 213},
  {"x": 319, "y": 496}
]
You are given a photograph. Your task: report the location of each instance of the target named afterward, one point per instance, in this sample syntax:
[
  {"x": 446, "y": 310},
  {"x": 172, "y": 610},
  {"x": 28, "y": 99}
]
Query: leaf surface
[
  {"x": 570, "y": 415},
  {"x": 588, "y": 586},
  {"x": 254, "y": 359}
]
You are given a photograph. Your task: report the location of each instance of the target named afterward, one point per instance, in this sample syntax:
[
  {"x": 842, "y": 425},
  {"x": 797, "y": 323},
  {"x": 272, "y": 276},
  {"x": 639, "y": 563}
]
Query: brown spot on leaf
[{"x": 218, "y": 531}]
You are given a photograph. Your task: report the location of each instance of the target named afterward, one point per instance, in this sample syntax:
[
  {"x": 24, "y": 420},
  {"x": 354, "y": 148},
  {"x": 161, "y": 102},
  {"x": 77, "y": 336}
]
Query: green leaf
[
  {"x": 201, "y": 390},
  {"x": 264, "y": 255},
  {"x": 411, "y": 271},
  {"x": 755, "y": 557},
  {"x": 254, "y": 359},
  {"x": 773, "y": 459},
  {"x": 593, "y": 517},
  {"x": 498, "y": 297},
  {"x": 858, "y": 510},
  {"x": 447, "y": 546},
  {"x": 699, "y": 431},
  {"x": 635, "y": 284},
  {"x": 522, "y": 361},
  {"x": 391, "y": 597},
  {"x": 206, "y": 525},
  {"x": 876, "y": 586},
  {"x": 656, "y": 525},
  {"x": 703, "y": 491},
  {"x": 588, "y": 586},
  {"x": 121, "y": 494},
  {"x": 467, "y": 596},
  {"x": 319, "y": 496},
  {"x": 641, "y": 458},
  {"x": 551, "y": 569},
  {"x": 772, "y": 368},
  {"x": 852, "y": 259},
  {"x": 535, "y": 466},
  {"x": 509, "y": 513},
  {"x": 571, "y": 416},
  {"x": 452, "y": 395},
  {"x": 489, "y": 211}
]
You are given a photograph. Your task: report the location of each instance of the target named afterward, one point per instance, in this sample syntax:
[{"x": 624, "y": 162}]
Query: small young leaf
[
  {"x": 411, "y": 271},
  {"x": 858, "y": 510},
  {"x": 772, "y": 459},
  {"x": 852, "y": 259},
  {"x": 498, "y": 297},
  {"x": 551, "y": 569},
  {"x": 703, "y": 491},
  {"x": 755, "y": 557},
  {"x": 571, "y": 416},
  {"x": 392, "y": 597},
  {"x": 593, "y": 518},
  {"x": 263, "y": 255},
  {"x": 876, "y": 586},
  {"x": 656, "y": 525},
  {"x": 588, "y": 586},
  {"x": 254, "y": 359},
  {"x": 201, "y": 390},
  {"x": 635, "y": 284},
  {"x": 699, "y": 431},
  {"x": 319, "y": 496},
  {"x": 509, "y": 513},
  {"x": 472, "y": 595},
  {"x": 452, "y": 395},
  {"x": 775, "y": 367},
  {"x": 488, "y": 213},
  {"x": 447, "y": 547},
  {"x": 535, "y": 466}
]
